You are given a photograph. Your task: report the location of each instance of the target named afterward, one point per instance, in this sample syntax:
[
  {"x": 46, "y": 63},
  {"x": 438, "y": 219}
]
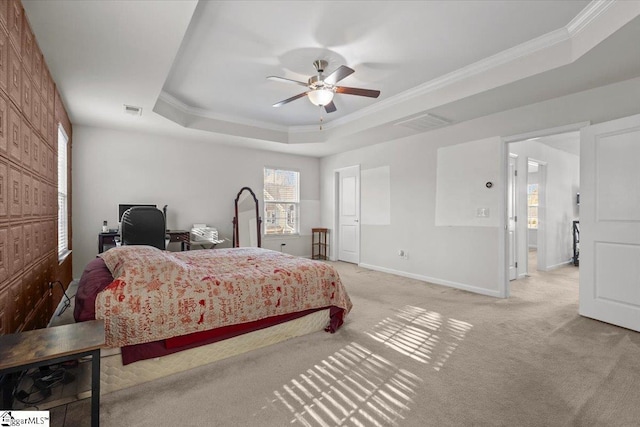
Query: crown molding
[
  {"x": 543, "y": 42},
  {"x": 588, "y": 15}
]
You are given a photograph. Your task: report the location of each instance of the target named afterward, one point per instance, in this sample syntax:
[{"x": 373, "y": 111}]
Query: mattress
[{"x": 116, "y": 376}]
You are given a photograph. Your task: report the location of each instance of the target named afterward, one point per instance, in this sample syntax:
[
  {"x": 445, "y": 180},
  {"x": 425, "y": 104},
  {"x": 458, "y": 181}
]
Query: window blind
[{"x": 63, "y": 218}]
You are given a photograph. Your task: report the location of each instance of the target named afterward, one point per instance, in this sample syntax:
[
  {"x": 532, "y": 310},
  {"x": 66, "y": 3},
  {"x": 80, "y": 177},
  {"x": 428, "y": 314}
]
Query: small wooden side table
[
  {"x": 319, "y": 246},
  {"x": 50, "y": 346}
]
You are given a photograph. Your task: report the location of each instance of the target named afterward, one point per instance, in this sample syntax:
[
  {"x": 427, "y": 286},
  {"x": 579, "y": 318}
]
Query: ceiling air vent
[
  {"x": 424, "y": 122},
  {"x": 132, "y": 110}
]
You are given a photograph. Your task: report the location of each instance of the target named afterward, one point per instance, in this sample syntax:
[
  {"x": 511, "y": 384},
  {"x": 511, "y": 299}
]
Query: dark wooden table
[{"x": 50, "y": 346}]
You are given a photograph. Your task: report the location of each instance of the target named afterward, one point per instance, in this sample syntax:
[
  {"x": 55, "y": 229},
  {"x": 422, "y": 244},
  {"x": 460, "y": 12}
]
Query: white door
[
  {"x": 610, "y": 222},
  {"x": 512, "y": 217},
  {"x": 349, "y": 214}
]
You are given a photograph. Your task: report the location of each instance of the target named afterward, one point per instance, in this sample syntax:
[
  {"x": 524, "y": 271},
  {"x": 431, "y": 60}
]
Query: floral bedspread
[{"x": 158, "y": 294}]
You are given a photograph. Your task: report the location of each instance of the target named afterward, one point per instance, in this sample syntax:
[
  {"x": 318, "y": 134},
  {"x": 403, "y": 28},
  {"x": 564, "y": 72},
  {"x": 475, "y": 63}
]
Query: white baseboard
[
  {"x": 554, "y": 266},
  {"x": 435, "y": 281}
]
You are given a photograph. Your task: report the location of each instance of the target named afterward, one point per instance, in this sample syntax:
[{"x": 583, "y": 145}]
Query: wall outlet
[{"x": 482, "y": 212}]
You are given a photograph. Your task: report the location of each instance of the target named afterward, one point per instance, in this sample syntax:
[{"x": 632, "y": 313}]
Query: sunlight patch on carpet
[
  {"x": 423, "y": 335},
  {"x": 352, "y": 387}
]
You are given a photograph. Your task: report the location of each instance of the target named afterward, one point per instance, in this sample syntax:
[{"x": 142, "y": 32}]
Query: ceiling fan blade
[
  {"x": 330, "y": 107},
  {"x": 293, "y": 98},
  {"x": 358, "y": 91},
  {"x": 283, "y": 80},
  {"x": 339, "y": 74}
]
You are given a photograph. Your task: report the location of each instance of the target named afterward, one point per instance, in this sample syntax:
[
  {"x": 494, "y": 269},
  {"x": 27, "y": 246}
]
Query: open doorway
[{"x": 547, "y": 201}]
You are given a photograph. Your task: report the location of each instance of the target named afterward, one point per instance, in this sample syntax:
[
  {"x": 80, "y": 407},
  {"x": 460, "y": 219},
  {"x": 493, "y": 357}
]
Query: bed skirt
[{"x": 116, "y": 376}]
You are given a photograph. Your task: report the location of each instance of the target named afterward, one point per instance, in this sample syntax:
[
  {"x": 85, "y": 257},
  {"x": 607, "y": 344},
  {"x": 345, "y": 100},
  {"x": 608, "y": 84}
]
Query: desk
[
  {"x": 108, "y": 240},
  {"x": 50, "y": 346}
]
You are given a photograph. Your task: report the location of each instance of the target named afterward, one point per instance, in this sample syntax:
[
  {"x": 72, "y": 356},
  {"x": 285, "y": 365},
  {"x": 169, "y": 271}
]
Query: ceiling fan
[{"x": 322, "y": 88}]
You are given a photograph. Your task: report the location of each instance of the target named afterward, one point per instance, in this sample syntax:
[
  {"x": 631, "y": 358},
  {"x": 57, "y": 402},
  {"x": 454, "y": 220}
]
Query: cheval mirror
[{"x": 247, "y": 222}]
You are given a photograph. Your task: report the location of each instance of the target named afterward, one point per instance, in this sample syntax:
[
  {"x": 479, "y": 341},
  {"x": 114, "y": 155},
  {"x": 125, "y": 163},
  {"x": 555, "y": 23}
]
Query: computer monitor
[{"x": 123, "y": 208}]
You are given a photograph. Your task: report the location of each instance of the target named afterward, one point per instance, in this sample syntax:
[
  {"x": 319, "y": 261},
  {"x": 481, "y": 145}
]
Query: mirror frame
[{"x": 236, "y": 239}]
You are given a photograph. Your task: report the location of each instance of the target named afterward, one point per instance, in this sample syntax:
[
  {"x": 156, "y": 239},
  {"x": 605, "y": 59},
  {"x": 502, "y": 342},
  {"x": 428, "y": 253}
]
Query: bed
[{"x": 165, "y": 312}]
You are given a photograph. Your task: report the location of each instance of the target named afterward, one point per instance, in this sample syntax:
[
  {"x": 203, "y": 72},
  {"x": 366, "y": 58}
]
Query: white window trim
[
  {"x": 63, "y": 252},
  {"x": 265, "y": 202}
]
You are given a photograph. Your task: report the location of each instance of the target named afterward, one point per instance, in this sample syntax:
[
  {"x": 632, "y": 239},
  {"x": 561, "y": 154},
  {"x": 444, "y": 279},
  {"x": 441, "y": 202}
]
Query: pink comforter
[{"x": 158, "y": 294}]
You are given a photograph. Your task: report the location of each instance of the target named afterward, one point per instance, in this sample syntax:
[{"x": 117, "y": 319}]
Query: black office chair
[{"x": 143, "y": 225}]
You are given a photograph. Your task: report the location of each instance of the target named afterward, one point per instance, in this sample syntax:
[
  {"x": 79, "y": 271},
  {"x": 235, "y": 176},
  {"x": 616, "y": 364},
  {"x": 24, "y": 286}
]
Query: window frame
[
  {"x": 63, "y": 178},
  {"x": 271, "y": 220}
]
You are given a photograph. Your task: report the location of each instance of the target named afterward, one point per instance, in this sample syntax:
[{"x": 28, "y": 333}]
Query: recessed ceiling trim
[
  {"x": 543, "y": 42},
  {"x": 200, "y": 112},
  {"x": 588, "y": 15},
  {"x": 584, "y": 20}
]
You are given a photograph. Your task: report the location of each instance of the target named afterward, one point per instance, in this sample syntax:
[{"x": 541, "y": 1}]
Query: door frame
[
  {"x": 513, "y": 247},
  {"x": 503, "y": 273},
  {"x": 335, "y": 238}
]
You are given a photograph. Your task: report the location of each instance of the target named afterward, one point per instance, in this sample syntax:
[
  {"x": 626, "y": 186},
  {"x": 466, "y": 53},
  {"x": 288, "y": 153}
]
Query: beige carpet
[{"x": 411, "y": 354}]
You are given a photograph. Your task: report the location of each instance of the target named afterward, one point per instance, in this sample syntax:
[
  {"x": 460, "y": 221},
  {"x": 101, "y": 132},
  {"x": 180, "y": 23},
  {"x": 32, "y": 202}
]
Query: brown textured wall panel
[
  {"x": 37, "y": 68},
  {"x": 26, "y": 96},
  {"x": 4, "y": 13},
  {"x": 28, "y": 244},
  {"x": 27, "y": 46},
  {"x": 35, "y": 209},
  {"x": 42, "y": 167},
  {"x": 15, "y": 192},
  {"x": 15, "y": 133},
  {"x": 37, "y": 241},
  {"x": 4, "y": 123},
  {"x": 36, "y": 106},
  {"x": 16, "y": 249},
  {"x": 4, "y": 321},
  {"x": 4, "y": 254},
  {"x": 52, "y": 129},
  {"x": 14, "y": 77},
  {"x": 51, "y": 91},
  {"x": 29, "y": 111},
  {"x": 17, "y": 312},
  {"x": 4, "y": 190},
  {"x": 15, "y": 24},
  {"x": 28, "y": 289},
  {"x": 25, "y": 151},
  {"x": 27, "y": 188},
  {"x": 4, "y": 58},
  {"x": 35, "y": 150}
]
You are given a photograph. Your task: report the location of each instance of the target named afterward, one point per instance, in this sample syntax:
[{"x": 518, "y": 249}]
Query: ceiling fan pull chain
[{"x": 321, "y": 120}]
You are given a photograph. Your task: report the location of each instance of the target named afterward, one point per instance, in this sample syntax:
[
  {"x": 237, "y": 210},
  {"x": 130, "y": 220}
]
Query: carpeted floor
[{"x": 411, "y": 354}]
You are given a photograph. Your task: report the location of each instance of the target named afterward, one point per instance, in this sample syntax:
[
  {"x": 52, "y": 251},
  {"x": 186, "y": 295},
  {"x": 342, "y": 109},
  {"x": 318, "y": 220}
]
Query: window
[
  {"x": 532, "y": 206},
  {"x": 63, "y": 204},
  {"x": 281, "y": 201}
]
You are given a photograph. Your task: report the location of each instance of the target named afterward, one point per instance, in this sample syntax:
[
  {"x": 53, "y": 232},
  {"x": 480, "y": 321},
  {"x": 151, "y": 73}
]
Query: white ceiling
[{"x": 199, "y": 69}]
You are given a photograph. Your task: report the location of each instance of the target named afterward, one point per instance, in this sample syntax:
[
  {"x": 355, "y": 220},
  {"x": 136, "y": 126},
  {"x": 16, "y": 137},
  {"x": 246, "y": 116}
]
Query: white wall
[
  {"x": 467, "y": 257},
  {"x": 198, "y": 180},
  {"x": 562, "y": 185},
  {"x": 459, "y": 256}
]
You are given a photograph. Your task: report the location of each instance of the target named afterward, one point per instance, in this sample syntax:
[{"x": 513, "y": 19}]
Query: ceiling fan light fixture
[{"x": 320, "y": 97}]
